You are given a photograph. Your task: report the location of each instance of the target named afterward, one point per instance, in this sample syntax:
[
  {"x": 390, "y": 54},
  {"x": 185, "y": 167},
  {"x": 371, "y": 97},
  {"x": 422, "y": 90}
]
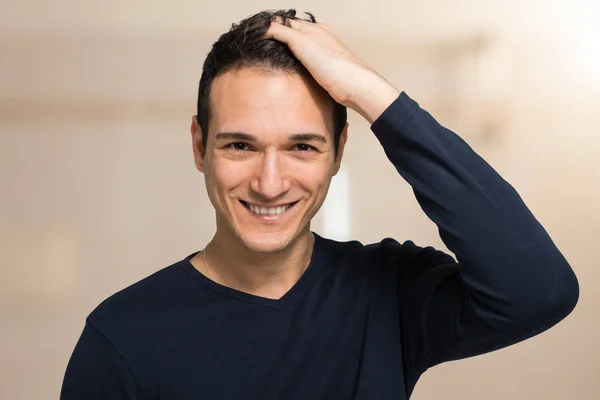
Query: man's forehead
[
  {"x": 247, "y": 97},
  {"x": 287, "y": 84}
]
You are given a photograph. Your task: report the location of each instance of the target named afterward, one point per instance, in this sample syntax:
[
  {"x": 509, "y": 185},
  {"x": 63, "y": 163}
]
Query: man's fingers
[
  {"x": 279, "y": 32},
  {"x": 286, "y": 29},
  {"x": 300, "y": 24}
]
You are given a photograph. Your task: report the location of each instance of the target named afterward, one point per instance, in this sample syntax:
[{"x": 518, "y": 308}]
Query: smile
[{"x": 268, "y": 211}]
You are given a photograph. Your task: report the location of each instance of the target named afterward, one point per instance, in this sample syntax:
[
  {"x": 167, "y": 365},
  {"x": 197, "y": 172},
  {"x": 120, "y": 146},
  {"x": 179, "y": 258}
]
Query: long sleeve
[
  {"x": 97, "y": 371},
  {"x": 510, "y": 281}
]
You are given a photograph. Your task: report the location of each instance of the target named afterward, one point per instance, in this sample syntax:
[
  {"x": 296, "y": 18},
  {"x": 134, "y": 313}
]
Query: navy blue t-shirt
[{"x": 363, "y": 321}]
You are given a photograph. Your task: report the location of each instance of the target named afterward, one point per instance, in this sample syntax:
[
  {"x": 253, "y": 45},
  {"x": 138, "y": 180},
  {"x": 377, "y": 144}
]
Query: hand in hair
[{"x": 348, "y": 79}]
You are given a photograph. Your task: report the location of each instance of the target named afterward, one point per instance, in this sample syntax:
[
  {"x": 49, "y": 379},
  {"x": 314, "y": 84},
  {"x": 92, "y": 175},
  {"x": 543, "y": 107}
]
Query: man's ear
[
  {"x": 197, "y": 146},
  {"x": 340, "y": 149}
]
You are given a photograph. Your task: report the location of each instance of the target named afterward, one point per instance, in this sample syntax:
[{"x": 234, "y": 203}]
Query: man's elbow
[
  {"x": 569, "y": 294},
  {"x": 558, "y": 302}
]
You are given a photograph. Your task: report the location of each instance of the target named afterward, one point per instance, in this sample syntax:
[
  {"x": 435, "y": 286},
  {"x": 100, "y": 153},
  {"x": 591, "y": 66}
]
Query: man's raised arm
[{"x": 510, "y": 283}]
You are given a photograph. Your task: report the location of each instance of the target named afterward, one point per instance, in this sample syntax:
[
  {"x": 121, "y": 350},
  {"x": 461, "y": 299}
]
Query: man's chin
[
  {"x": 265, "y": 245},
  {"x": 267, "y": 242}
]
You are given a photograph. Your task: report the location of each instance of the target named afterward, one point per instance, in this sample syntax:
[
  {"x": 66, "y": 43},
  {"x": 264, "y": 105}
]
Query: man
[{"x": 271, "y": 310}]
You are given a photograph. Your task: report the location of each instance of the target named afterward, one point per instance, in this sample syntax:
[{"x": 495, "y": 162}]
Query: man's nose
[{"x": 270, "y": 180}]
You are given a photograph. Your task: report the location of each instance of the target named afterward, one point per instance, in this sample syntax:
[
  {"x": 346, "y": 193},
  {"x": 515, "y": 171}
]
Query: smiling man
[
  {"x": 268, "y": 156},
  {"x": 270, "y": 309}
]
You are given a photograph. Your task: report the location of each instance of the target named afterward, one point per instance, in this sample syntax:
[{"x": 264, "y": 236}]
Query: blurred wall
[{"x": 99, "y": 187}]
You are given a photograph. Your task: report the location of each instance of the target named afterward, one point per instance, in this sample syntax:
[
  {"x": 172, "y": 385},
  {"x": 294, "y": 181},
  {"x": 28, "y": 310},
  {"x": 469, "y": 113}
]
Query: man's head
[{"x": 266, "y": 134}]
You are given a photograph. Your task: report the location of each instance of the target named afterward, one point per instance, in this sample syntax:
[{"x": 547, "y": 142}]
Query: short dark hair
[{"x": 241, "y": 47}]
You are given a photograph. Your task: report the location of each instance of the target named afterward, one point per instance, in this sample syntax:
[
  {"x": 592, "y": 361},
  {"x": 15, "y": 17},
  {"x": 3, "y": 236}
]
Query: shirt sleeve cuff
[{"x": 395, "y": 116}]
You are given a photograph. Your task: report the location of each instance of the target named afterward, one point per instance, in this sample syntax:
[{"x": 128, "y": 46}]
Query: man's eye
[
  {"x": 304, "y": 147},
  {"x": 239, "y": 146}
]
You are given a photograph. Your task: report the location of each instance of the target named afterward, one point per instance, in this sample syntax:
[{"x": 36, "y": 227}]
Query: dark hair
[{"x": 241, "y": 47}]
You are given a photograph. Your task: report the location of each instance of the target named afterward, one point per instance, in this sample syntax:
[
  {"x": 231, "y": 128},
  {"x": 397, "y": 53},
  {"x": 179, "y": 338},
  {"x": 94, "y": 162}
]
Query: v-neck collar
[{"x": 306, "y": 279}]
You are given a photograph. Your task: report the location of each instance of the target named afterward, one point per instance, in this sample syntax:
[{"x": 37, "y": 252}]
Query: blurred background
[{"x": 98, "y": 186}]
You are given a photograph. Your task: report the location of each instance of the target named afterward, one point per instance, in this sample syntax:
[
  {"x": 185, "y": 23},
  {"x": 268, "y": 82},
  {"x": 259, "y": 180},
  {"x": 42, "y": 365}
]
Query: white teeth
[{"x": 267, "y": 210}]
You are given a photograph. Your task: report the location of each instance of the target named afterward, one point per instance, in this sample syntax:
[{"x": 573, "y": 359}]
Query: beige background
[{"x": 99, "y": 188}]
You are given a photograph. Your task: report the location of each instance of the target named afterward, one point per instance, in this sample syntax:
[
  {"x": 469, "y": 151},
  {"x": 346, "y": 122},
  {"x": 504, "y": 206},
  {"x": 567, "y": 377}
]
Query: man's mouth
[{"x": 268, "y": 211}]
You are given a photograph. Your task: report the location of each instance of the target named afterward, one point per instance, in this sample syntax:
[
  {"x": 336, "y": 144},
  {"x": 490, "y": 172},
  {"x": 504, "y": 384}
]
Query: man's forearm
[{"x": 375, "y": 97}]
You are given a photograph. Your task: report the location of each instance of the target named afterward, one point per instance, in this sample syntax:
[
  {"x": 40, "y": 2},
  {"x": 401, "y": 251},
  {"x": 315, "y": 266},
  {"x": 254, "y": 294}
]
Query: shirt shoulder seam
[{"x": 139, "y": 388}]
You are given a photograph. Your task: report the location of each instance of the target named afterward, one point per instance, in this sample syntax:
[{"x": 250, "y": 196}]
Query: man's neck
[{"x": 269, "y": 275}]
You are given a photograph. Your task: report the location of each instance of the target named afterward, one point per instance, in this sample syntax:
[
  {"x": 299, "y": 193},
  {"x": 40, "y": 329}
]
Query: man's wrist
[{"x": 374, "y": 98}]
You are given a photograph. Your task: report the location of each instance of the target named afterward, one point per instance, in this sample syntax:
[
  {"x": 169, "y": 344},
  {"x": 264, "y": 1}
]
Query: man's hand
[{"x": 348, "y": 79}]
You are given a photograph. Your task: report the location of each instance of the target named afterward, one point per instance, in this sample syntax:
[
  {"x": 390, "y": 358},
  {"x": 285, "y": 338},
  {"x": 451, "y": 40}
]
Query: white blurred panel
[{"x": 336, "y": 208}]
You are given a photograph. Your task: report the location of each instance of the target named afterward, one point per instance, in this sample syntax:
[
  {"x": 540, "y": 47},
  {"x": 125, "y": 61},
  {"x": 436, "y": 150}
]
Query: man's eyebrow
[
  {"x": 297, "y": 137},
  {"x": 235, "y": 136},
  {"x": 307, "y": 137}
]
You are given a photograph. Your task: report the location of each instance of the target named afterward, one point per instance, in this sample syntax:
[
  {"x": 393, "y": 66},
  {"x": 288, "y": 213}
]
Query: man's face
[{"x": 269, "y": 156}]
